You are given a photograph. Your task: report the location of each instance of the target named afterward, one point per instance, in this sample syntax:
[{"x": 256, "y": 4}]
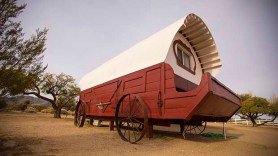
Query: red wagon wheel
[
  {"x": 80, "y": 114},
  {"x": 194, "y": 129},
  {"x": 131, "y": 118}
]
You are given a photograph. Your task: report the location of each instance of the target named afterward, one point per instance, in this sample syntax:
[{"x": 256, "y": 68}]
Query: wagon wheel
[
  {"x": 80, "y": 114},
  {"x": 194, "y": 129},
  {"x": 131, "y": 118}
]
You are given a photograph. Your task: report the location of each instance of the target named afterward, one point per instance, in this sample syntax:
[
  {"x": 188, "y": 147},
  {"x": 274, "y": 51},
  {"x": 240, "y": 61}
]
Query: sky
[{"x": 85, "y": 34}]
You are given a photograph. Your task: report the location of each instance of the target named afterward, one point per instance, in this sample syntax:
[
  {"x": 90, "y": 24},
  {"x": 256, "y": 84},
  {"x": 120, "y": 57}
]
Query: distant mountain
[{"x": 20, "y": 99}]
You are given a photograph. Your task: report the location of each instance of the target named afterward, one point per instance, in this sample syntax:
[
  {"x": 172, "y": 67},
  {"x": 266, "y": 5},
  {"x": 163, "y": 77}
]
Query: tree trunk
[
  {"x": 57, "y": 113},
  {"x": 253, "y": 122}
]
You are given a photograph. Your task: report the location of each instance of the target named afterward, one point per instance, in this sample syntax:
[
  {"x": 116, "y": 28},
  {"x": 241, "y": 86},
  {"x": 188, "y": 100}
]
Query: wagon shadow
[{"x": 206, "y": 137}]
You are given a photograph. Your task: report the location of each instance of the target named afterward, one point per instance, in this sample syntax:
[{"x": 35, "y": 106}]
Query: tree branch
[
  {"x": 243, "y": 117},
  {"x": 38, "y": 89},
  {"x": 267, "y": 121},
  {"x": 42, "y": 97}
]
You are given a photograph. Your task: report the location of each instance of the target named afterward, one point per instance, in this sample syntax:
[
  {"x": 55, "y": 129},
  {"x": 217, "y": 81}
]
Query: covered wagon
[{"x": 168, "y": 78}]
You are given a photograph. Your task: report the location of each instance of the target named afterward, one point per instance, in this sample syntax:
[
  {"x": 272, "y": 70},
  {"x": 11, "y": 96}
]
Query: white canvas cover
[{"x": 148, "y": 52}]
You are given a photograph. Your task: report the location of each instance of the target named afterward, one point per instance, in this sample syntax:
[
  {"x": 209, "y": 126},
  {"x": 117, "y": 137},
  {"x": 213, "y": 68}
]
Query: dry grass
[{"x": 40, "y": 134}]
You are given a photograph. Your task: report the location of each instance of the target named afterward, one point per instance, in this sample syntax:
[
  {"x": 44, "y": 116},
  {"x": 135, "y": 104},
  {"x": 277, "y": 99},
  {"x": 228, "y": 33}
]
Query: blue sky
[{"x": 84, "y": 34}]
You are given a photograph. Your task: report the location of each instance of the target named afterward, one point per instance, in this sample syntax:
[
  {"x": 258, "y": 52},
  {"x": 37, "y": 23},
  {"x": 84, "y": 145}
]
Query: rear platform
[{"x": 209, "y": 101}]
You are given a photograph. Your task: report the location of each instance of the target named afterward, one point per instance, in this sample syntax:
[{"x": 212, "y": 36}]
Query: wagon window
[
  {"x": 184, "y": 57},
  {"x": 179, "y": 55}
]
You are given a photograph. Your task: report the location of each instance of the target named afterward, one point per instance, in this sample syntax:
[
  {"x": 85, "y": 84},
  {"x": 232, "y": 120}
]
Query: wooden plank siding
[{"x": 190, "y": 101}]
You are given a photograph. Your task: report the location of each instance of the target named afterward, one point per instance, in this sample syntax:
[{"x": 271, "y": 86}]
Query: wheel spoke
[
  {"x": 185, "y": 129},
  {"x": 80, "y": 114},
  {"x": 124, "y": 111},
  {"x": 128, "y": 128},
  {"x": 137, "y": 115},
  {"x": 136, "y": 128},
  {"x": 125, "y": 131},
  {"x": 195, "y": 130},
  {"x": 137, "y": 121},
  {"x": 129, "y": 105},
  {"x": 131, "y": 129},
  {"x": 136, "y": 108},
  {"x": 133, "y": 101},
  {"x": 199, "y": 129},
  {"x": 138, "y": 111}
]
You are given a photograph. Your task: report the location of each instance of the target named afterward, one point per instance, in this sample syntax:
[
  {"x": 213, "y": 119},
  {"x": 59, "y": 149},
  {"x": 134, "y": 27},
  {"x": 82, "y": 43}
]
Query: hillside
[{"x": 20, "y": 99}]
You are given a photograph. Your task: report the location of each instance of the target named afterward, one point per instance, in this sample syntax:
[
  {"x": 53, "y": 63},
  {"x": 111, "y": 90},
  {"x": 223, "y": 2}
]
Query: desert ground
[{"x": 41, "y": 134}]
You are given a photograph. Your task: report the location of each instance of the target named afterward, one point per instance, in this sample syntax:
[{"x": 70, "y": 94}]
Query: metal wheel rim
[
  {"x": 131, "y": 118},
  {"x": 80, "y": 114},
  {"x": 193, "y": 129}
]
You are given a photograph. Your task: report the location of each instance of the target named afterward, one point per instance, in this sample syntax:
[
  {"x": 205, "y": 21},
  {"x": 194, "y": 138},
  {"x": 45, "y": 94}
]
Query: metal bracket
[{"x": 101, "y": 105}]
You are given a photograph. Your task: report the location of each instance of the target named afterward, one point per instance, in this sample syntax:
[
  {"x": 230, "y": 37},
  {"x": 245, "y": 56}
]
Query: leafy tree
[
  {"x": 273, "y": 107},
  {"x": 245, "y": 96},
  {"x": 61, "y": 89},
  {"x": 21, "y": 68},
  {"x": 253, "y": 107},
  {"x": 66, "y": 102},
  {"x": 20, "y": 58}
]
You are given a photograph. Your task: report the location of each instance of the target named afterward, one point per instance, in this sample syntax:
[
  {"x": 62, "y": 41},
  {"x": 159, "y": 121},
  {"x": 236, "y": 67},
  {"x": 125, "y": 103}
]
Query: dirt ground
[{"x": 41, "y": 134}]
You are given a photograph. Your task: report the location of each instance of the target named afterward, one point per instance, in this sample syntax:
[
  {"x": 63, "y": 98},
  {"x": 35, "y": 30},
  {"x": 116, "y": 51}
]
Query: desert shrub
[
  {"x": 40, "y": 107},
  {"x": 3, "y": 103},
  {"x": 51, "y": 110},
  {"x": 26, "y": 102},
  {"x": 18, "y": 107},
  {"x": 71, "y": 108},
  {"x": 64, "y": 112},
  {"x": 23, "y": 106},
  {"x": 70, "y": 112},
  {"x": 31, "y": 109},
  {"x": 12, "y": 106},
  {"x": 48, "y": 110}
]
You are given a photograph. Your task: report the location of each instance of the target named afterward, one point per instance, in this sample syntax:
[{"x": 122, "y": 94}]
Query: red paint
[{"x": 210, "y": 100}]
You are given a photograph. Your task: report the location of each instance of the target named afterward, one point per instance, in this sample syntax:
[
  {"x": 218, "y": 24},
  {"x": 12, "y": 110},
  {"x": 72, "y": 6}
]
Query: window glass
[
  {"x": 184, "y": 57},
  {"x": 180, "y": 55}
]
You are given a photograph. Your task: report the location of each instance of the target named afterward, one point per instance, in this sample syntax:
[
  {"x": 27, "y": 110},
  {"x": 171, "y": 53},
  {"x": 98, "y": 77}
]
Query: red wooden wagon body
[{"x": 161, "y": 93}]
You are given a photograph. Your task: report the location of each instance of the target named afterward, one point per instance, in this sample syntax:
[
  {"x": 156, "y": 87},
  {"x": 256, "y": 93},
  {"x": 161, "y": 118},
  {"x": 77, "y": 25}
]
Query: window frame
[{"x": 179, "y": 44}]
